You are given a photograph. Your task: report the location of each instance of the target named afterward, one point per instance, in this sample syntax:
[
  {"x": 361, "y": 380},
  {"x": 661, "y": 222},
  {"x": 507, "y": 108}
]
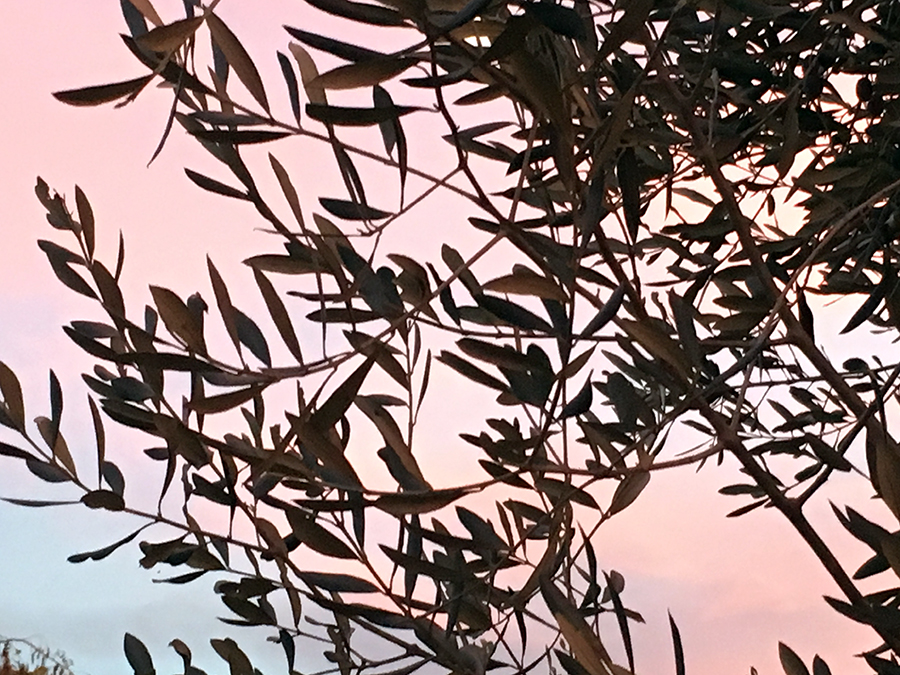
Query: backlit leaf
[
  {"x": 457, "y": 264},
  {"x": 628, "y": 490},
  {"x": 343, "y": 50},
  {"x": 408, "y": 503},
  {"x": 8, "y": 450},
  {"x": 630, "y": 186},
  {"x": 171, "y": 36},
  {"x": 471, "y": 371},
  {"x": 513, "y": 314},
  {"x": 223, "y": 301},
  {"x": 55, "y": 441},
  {"x": 356, "y": 117},
  {"x": 347, "y": 210},
  {"x": 362, "y": 74},
  {"x": 146, "y": 8},
  {"x": 252, "y": 337},
  {"x": 338, "y": 583},
  {"x": 678, "y": 647},
  {"x": 138, "y": 656},
  {"x": 36, "y": 503},
  {"x": 526, "y": 284},
  {"x": 178, "y": 318},
  {"x": 342, "y": 315},
  {"x": 867, "y": 308},
  {"x": 240, "y": 136},
  {"x": 279, "y": 315},
  {"x": 12, "y": 395},
  {"x": 61, "y": 263},
  {"x": 102, "y": 93},
  {"x": 586, "y": 645},
  {"x": 238, "y": 59},
  {"x": 103, "y": 499},
  {"x": 285, "y": 264},
  {"x": 308, "y": 73},
  {"x": 792, "y": 664},
  {"x": 290, "y": 80},
  {"x": 374, "y": 15},
  {"x": 318, "y": 538},
  {"x": 237, "y": 660},
  {"x": 86, "y": 219},
  {"x": 287, "y": 188},
  {"x": 580, "y": 404},
  {"x": 390, "y": 431},
  {"x": 222, "y": 402},
  {"x": 340, "y": 400},
  {"x": 212, "y": 185},
  {"x": 659, "y": 344}
]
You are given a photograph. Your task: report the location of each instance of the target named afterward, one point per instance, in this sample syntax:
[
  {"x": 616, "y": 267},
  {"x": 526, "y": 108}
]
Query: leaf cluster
[{"x": 645, "y": 168}]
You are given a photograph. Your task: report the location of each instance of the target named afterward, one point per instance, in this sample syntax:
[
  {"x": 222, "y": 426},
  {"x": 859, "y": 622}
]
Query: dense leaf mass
[{"x": 679, "y": 191}]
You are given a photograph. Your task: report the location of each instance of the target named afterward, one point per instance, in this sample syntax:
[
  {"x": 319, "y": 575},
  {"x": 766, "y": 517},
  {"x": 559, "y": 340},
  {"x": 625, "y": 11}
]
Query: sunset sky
[{"x": 735, "y": 587}]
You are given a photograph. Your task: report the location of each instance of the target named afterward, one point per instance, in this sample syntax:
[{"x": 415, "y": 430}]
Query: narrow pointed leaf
[
  {"x": 678, "y": 647},
  {"x": 343, "y": 50},
  {"x": 581, "y": 403},
  {"x": 240, "y": 136},
  {"x": 338, "y": 583},
  {"x": 145, "y": 7},
  {"x": 319, "y": 539},
  {"x": 7, "y": 450},
  {"x": 374, "y": 15},
  {"x": 212, "y": 185},
  {"x": 223, "y": 301},
  {"x": 222, "y": 402},
  {"x": 288, "y": 189},
  {"x": 238, "y": 59},
  {"x": 628, "y": 490},
  {"x": 362, "y": 74},
  {"x": 86, "y": 219},
  {"x": 471, "y": 371},
  {"x": 356, "y": 117},
  {"x": 630, "y": 187},
  {"x": 347, "y": 210},
  {"x": 102, "y": 93},
  {"x": 290, "y": 79},
  {"x": 586, "y": 645},
  {"x": 526, "y": 284},
  {"x": 279, "y": 315},
  {"x": 104, "y": 552},
  {"x": 308, "y": 74},
  {"x": 408, "y": 503},
  {"x": 513, "y": 314},
  {"x": 171, "y": 36},
  {"x": 336, "y": 406}
]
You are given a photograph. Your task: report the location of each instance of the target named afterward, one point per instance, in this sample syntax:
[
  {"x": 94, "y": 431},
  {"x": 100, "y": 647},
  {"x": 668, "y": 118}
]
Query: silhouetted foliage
[
  {"x": 676, "y": 189},
  {"x": 22, "y": 657}
]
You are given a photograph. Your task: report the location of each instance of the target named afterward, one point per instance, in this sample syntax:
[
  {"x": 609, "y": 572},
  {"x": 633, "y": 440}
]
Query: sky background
[{"x": 735, "y": 587}]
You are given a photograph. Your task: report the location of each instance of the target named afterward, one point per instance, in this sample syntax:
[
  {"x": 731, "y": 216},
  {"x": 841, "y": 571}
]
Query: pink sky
[{"x": 736, "y": 587}]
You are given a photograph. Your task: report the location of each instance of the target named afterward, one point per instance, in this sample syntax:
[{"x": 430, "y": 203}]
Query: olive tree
[{"x": 663, "y": 195}]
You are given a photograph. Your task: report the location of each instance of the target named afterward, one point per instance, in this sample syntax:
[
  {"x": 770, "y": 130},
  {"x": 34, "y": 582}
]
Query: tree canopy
[{"x": 665, "y": 199}]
